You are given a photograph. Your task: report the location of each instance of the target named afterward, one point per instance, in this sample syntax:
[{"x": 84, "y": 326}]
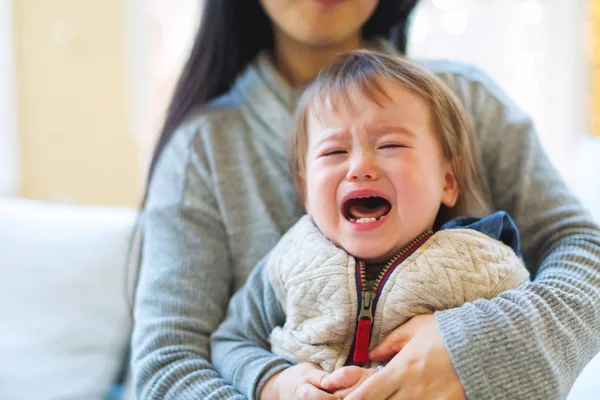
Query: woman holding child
[{"x": 221, "y": 196}]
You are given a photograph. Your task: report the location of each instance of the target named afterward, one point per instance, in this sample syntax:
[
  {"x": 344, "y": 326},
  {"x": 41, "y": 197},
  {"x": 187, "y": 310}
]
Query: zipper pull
[{"x": 363, "y": 329}]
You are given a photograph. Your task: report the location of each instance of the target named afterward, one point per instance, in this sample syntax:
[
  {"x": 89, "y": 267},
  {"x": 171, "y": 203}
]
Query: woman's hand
[
  {"x": 343, "y": 381},
  {"x": 420, "y": 366},
  {"x": 301, "y": 382}
]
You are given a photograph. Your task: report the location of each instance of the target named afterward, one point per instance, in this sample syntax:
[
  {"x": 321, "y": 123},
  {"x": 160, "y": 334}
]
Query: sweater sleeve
[
  {"x": 185, "y": 279},
  {"x": 240, "y": 346},
  {"x": 531, "y": 342}
]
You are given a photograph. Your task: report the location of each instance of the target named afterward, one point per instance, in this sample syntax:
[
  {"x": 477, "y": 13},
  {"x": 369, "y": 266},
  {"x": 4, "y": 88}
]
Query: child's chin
[{"x": 369, "y": 256}]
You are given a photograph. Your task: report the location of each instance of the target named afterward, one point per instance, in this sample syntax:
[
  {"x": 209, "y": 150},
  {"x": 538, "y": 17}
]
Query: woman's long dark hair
[{"x": 231, "y": 34}]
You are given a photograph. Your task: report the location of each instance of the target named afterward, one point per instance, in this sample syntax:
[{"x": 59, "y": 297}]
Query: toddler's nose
[{"x": 362, "y": 168}]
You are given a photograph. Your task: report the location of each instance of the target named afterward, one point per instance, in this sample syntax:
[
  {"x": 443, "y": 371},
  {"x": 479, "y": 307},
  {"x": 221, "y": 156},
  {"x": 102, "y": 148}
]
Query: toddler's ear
[{"x": 450, "y": 193}]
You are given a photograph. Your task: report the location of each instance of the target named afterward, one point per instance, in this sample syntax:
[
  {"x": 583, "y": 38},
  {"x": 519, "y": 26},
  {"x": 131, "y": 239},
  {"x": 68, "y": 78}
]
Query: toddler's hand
[
  {"x": 344, "y": 380},
  {"x": 302, "y": 382}
]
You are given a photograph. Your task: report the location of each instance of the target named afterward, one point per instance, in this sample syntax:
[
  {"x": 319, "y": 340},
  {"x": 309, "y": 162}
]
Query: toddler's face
[{"x": 375, "y": 175}]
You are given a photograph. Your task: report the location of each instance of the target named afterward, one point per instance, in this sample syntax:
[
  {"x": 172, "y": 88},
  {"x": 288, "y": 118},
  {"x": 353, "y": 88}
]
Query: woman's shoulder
[
  {"x": 471, "y": 83},
  {"x": 218, "y": 117},
  {"x": 450, "y": 70},
  {"x": 214, "y": 124},
  {"x": 192, "y": 140},
  {"x": 448, "y": 67}
]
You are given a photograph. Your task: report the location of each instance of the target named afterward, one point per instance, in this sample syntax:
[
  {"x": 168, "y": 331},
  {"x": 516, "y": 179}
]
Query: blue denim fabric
[
  {"x": 499, "y": 226},
  {"x": 116, "y": 392}
]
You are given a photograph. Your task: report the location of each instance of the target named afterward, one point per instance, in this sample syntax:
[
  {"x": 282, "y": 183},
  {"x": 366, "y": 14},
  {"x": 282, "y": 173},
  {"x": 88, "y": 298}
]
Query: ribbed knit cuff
[{"x": 265, "y": 374}]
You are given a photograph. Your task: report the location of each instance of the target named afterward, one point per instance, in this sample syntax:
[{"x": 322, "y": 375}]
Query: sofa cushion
[{"x": 63, "y": 303}]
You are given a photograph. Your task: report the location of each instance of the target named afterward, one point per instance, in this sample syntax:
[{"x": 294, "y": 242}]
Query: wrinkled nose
[
  {"x": 359, "y": 177},
  {"x": 362, "y": 169}
]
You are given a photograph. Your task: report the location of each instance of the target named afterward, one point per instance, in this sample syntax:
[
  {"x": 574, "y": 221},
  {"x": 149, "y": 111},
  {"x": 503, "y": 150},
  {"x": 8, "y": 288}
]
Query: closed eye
[
  {"x": 334, "y": 152},
  {"x": 392, "y": 146}
]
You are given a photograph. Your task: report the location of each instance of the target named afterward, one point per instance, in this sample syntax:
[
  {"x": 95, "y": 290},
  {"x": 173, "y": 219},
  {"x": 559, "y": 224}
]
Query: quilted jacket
[{"x": 332, "y": 319}]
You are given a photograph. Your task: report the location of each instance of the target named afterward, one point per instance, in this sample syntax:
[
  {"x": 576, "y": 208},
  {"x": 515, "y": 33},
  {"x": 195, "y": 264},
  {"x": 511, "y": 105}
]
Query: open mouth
[{"x": 364, "y": 210}]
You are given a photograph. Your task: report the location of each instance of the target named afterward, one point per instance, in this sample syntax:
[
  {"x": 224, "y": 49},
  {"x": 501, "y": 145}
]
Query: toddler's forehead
[
  {"x": 343, "y": 104},
  {"x": 390, "y": 105},
  {"x": 349, "y": 94}
]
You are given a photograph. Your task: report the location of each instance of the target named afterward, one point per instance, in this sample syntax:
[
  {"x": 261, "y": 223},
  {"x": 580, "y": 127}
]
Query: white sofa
[{"x": 64, "y": 313}]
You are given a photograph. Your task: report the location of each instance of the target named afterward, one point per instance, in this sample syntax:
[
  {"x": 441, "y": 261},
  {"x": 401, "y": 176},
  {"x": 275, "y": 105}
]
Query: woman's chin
[{"x": 325, "y": 34}]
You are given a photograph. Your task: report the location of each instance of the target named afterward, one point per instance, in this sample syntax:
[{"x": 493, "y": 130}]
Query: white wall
[{"x": 9, "y": 171}]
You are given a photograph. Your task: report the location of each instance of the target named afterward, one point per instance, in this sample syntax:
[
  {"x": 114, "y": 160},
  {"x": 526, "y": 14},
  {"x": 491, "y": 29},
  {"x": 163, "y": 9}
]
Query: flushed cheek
[
  {"x": 406, "y": 182},
  {"x": 322, "y": 200},
  {"x": 409, "y": 202},
  {"x": 324, "y": 183}
]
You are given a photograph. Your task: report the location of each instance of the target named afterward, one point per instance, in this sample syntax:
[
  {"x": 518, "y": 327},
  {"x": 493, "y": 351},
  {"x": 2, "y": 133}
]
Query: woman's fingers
[
  {"x": 395, "y": 341},
  {"x": 316, "y": 377},
  {"x": 391, "y": 345},
  {"x": 365, "y": 373},
  {"x": 343, "y": 378},
  {"x": 308, "y": 391},
  {"x": 301, "y": 382},
  {"x": 379, "y": 386}
]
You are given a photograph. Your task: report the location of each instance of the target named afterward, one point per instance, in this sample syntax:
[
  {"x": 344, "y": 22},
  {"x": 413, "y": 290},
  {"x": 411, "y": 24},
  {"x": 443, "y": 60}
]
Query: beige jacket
[{"x": 316, "y": 283}]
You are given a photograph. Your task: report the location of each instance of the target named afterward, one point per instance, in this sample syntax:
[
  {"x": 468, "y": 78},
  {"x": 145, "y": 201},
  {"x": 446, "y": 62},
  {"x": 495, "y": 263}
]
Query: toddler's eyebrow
[
  {"x": 382, "y": 129},
  {"x": 332, "y": 135}
]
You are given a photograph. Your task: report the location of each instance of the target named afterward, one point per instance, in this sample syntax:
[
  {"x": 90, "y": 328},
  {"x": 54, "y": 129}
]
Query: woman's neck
[{"x": 300, "y": 63}]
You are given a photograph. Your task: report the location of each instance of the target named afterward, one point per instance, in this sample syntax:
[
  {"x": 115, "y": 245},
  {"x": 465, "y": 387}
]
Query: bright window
[{"x": 535, "y": 50}]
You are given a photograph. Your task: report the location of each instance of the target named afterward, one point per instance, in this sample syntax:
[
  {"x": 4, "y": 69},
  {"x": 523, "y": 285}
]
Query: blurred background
[{"x": 84, "y": 84}]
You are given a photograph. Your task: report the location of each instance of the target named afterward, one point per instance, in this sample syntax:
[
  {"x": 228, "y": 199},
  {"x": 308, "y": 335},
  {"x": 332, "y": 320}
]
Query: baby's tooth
[{"x": 364, "y": 220}]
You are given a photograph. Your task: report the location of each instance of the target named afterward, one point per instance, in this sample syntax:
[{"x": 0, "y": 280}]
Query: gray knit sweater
[{"x": 222, "y": 196}]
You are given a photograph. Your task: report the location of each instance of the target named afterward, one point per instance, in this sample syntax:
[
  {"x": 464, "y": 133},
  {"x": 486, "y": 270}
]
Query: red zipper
[{"x": 368, "y": 298}]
